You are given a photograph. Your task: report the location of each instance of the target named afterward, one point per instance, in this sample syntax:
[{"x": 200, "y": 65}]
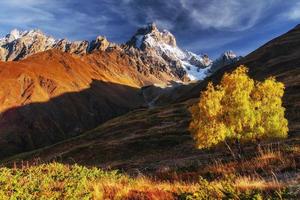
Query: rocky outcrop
[
  {"x": 77, "y": 47},
  {"x": 101, "y": 43}
]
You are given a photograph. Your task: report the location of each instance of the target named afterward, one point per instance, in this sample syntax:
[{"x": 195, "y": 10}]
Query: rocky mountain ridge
[
  {"x": 18, "y": 45},
  {"x": 151, "y": 51}
]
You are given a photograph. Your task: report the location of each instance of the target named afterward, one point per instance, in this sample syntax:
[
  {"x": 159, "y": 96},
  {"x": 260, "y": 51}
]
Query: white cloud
[
  {"x": 55, "y": 17},
  {"x": 210, "y": 43},
  {"x": 233, "y": 15},
  {"x": 165, "y": 24},
  {"x": 24, "y": 12},
  {"x": 20, "y": 14},
  {"x": 23, "y": 2},
  {"x": 294, "y": 12}
]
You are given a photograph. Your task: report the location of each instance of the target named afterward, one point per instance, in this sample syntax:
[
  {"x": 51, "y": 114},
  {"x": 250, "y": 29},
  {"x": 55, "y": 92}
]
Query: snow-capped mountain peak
[
  {"x": 149, "y": 36},
  {"x": 162, "y": 44},
  {"x": 229, "y": 55},
  {"x": 226, "y": 58},
  {"x": 14, "y": 35}
]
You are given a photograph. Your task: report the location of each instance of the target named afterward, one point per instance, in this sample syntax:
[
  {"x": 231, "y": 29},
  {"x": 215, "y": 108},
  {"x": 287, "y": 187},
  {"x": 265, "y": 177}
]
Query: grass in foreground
[{"x": 58, "y": 181}]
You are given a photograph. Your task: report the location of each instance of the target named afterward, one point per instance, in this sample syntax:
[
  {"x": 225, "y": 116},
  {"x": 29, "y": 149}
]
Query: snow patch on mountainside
[{"x": 195, "y": 73}]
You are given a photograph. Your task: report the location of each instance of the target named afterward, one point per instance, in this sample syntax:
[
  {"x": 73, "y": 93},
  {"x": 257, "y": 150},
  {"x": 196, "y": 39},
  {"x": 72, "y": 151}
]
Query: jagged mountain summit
[
  {"x": 227, "y": 58},
  {"x": 151, "y": 51},
  {"x": 162, "y": 44}
]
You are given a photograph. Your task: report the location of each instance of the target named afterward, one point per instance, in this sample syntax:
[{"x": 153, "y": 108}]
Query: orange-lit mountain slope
[
  {"x": 49, "y": 74},
  {"x": 53, "y": 95}
]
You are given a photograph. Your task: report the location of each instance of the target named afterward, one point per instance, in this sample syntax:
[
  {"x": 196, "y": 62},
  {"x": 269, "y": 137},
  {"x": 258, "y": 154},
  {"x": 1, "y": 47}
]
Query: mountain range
[
  {"x": 119, "y": 105},
  {"x": 152, "y": 51}
]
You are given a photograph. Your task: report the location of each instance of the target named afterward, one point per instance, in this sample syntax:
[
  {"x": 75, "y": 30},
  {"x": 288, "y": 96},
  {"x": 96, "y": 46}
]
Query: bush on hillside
[{"x": 239, "y": 108}]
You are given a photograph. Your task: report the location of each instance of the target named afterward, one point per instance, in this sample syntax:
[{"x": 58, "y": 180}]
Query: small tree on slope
[{"x": 239, "y": 108}]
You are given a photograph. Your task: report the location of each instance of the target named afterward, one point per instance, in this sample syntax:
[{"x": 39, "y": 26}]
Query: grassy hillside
[
  {"x": 147, "y": 139},
  {"x": 154, "y": 149},
  {"x": 57, "y": 181},
  {"x": 156, "y": 143}
]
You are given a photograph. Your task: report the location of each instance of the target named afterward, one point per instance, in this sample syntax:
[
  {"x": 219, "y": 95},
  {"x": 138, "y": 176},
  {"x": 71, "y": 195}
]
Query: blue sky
[{"x": 202, "y": 26}]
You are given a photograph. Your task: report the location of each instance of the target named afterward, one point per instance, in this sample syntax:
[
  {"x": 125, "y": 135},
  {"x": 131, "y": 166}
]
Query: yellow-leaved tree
[{"x": 239, "y": 108}]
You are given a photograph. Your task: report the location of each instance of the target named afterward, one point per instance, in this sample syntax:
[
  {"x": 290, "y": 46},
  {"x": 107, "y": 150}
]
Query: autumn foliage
[{"x": 239, "y": 108}]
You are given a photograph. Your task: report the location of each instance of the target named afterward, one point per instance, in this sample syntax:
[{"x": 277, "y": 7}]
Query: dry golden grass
[
  {"x": 140, "y": 188},
  {"x": 145, "y": 188},
  {"x": 257, "y": 183},
  {"x": 267, "y": 160}
]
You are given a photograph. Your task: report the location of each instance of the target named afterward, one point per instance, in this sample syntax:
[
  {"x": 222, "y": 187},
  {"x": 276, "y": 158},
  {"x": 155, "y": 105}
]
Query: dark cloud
[{"x": 210, "y": 26}]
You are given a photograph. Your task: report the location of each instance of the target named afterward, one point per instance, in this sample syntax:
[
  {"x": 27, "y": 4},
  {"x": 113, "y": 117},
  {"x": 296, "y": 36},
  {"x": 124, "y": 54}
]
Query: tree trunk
[
  {"x": 230, "y": 150},
  {"x": 240, "y": 149}
]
